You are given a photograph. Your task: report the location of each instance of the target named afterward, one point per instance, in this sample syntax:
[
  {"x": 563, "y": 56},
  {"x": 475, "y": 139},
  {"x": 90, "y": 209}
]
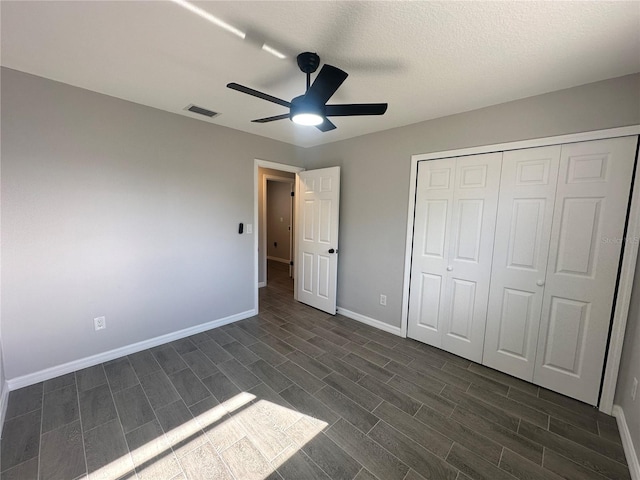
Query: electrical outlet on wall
[
  {"x": 634, "y": 388},
  {"x": 100, "y": 323},
  {"x": 383, "y": 300}
]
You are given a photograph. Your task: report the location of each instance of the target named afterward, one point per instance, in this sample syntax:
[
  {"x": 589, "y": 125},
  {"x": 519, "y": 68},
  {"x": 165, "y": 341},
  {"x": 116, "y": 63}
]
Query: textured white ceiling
[{"x": 426, "y": 59}]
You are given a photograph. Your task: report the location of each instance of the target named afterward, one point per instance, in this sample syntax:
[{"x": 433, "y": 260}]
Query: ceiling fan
[{"x": 311, "y": 108}]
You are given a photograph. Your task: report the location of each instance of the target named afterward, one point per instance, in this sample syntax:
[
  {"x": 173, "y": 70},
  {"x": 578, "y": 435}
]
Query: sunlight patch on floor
[{"x": 253, "y": 436}]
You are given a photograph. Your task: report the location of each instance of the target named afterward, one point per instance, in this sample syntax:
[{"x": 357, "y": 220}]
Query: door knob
[
  {"x": 331, "y": 250},
  {"x": 449, "y": 268},
  {"x": 540, "y": 283}
]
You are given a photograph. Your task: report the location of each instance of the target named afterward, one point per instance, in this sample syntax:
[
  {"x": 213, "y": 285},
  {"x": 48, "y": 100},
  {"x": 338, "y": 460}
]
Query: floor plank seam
[{"x": 84, "y": 448}]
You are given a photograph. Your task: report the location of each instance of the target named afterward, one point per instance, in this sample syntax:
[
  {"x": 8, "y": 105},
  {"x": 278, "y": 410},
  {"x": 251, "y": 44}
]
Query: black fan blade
[
  {"x": 326, "y": 126},
  {"x": 271, "y": 119},
  {"x": 347, "y": 110},
  {"x": 256, "y": 93},
  {"x": 326, "y": 83}
]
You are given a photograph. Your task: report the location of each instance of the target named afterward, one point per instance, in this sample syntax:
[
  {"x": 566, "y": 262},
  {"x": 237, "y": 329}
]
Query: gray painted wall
[
  {"x": 2, "y": 383},
  {"x": 278, "y": 219},
  {"x": 375, "y": 176},
  {"x": 2, "y": 375},
  {"x": 111, "y": 208},
  {"x": 630, "y": 366}
]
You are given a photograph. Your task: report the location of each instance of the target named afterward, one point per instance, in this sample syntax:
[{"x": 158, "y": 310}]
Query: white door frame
[
  {"x": 274, "y": 178},
  {"x": 630, "y": 251},
  {"x": 256, "y": 203}
]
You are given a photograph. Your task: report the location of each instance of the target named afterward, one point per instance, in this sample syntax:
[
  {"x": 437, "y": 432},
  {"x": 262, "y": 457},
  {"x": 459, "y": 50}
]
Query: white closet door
[
  {"x": 432, "y": 227},
  {"x": 588, "y": 225},
  {"x": 525, "y": 213},
  {"x": 468, "y": 269}
]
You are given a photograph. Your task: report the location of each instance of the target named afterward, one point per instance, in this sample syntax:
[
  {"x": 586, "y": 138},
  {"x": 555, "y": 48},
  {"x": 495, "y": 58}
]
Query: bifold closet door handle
[
  {"x": 540, "y": 283},
  {"x": 449, "y": 268}
]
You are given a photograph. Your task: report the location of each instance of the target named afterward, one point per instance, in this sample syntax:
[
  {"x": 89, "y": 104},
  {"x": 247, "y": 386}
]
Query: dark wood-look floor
[{"x": 296, "y": 394}]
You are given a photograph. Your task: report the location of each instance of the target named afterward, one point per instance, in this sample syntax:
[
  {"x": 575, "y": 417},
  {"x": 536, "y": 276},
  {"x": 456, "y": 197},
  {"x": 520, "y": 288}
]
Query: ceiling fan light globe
[{"x": 311, "y": 119}]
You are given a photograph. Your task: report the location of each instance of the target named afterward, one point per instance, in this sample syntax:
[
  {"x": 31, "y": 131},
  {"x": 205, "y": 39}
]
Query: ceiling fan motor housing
[{"x": 300, "y": 105}]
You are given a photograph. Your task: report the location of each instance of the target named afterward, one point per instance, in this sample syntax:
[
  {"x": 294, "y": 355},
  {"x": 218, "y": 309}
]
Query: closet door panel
[
  {"x": 430, "y": 288},
  {"x": 586, "y": 240},
  {"x": 469, "y": 218},
  {"x": 432, "y": 226},
  {"x": 523, "y": 229},
  {"x": 475, "y": 201},
  {"x": 516, "y": 320},
  {"x": 462, "y": 298}
]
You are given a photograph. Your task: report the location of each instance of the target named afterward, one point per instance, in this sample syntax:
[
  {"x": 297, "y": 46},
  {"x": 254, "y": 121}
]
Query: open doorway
[
  {"x": 275, "y": 217},
  {"x": 278, "y": 229}
]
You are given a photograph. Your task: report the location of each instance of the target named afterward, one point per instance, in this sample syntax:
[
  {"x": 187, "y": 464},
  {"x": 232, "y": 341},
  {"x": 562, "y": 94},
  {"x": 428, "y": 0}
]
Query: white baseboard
[
  {"x": 4, "y": 403},
  {"x": 69, "y": 367},
  {"x": 277, "y": 259},
  {"x": 370, "y": 321},
  {"x": 627, "y": 443},
  {"x": 262, "y": 284}
]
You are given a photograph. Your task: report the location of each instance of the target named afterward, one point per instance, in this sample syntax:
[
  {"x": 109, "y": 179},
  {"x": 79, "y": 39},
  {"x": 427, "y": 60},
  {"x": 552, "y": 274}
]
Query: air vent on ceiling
[{"x": 201, "y": 111}]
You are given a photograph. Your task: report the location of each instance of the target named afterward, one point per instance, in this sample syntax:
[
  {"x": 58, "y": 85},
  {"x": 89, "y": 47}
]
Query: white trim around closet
[{"x": 629, "y": 254}]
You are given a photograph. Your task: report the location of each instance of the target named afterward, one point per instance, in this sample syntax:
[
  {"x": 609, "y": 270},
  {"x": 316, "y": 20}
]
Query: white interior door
[
  {"x": 317, "y": 212},
  {"x": 521, "y": 250},
  {"x": 586, "y": 240},
  {"x": 475, "y": 203},
  {"x": 456, "y": 202}
]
